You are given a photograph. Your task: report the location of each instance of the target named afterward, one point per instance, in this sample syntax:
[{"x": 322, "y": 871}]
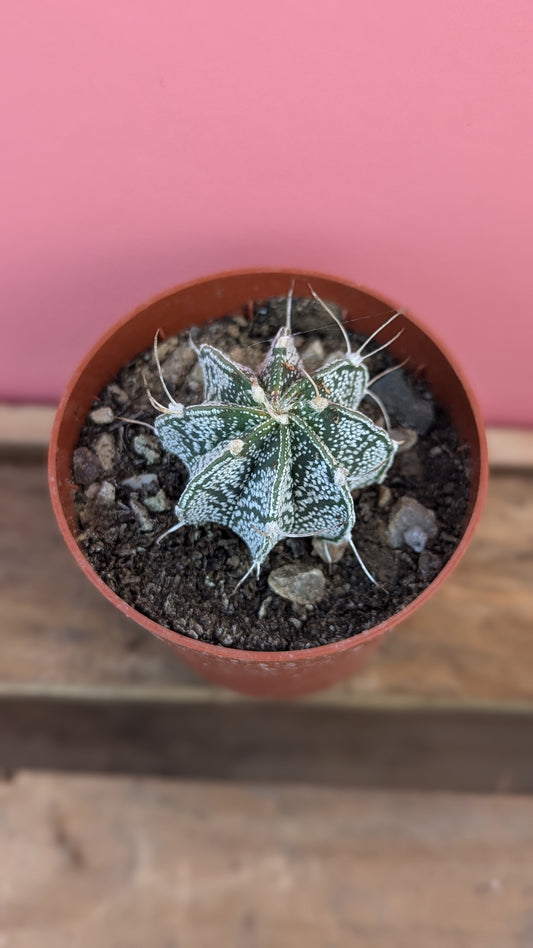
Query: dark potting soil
[{"x": 128, "y": 487}]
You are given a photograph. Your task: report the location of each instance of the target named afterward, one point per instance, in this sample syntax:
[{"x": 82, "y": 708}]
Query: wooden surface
[
  {"x": 273, "y": 742},
  {"x": 390, "y": 812},
  {"x": 122, "y": 863},
  {"x": 471, "y": 646}
]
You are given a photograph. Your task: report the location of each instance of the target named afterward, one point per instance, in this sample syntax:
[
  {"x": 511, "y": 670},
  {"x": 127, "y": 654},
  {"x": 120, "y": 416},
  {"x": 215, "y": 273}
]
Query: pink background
[{"x": 145, "y": 143}]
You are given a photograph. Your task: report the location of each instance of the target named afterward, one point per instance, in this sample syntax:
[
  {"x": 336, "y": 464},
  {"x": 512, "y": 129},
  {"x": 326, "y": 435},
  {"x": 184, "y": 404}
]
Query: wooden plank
[
  {"x": 473, "y": 641},
  {"x": 469, "y": 647},
  {"x": 283, "y": 742},
  {"x": 510, "y": 448},
  {"x": 120, "y": 862},
  {"x": 28, "y": 427}
]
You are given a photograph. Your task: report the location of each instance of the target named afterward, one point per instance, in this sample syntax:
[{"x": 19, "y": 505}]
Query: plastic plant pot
[{"x": 278, "y": 674}]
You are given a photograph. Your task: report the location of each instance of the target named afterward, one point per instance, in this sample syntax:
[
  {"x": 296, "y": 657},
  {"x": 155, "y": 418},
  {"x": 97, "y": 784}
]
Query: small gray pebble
[
  {"x": 166, "y": 346},
  {"x": 329, "y": 552},
  {"x": 225, "y": 638},
  {"x": 401, "y": 399},
  {"x": 105, "y": 450},
  {"x": 118, "y": 394},
  {"x": 263, "y": 608},
  {"x": 411, "y": 523},
  {"x": 102, "y": 415},
  {"x": 147, "y": 447},
  {"x": 416, "y": 537},
  {"x": 86, "y": 467},
  {"x": 301, "y": 586},
  {"x": 142, "y": 482},
  {"x": 106, "y": 494},
  {"x": 146, "y": 525},
  {"x": 158, "y": 502}
]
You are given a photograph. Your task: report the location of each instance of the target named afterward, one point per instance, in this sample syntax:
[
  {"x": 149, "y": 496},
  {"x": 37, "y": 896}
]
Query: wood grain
[
  {"x": 122, "y": 863},
  {"x": 510, "y": 448},
  {"x": 320, "y": 823},
  {"x": 292, "y": 743},
  {"x": 471, "y": 646}
]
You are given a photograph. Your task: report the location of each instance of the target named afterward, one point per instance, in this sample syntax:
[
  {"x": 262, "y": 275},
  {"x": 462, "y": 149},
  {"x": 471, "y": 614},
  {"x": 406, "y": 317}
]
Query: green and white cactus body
[{"x": 277, "y": 453}]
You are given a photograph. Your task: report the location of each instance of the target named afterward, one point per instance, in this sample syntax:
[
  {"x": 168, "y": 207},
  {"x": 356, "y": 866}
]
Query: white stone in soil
[
  {"x": 105, "y": 450},
  {"x": 412, "y": 524},
  {"x": 301, "y": 586},
  {"x": 102, "y": 415}
]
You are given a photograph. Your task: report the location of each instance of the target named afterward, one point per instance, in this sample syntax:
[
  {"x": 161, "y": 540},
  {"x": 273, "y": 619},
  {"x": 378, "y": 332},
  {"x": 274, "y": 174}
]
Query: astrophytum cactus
[{"x": 276, "y": 453}]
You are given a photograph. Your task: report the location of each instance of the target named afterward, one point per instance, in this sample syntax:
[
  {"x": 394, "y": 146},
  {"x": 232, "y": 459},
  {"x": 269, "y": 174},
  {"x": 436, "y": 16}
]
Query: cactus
[{"x": 276, "y": 453}]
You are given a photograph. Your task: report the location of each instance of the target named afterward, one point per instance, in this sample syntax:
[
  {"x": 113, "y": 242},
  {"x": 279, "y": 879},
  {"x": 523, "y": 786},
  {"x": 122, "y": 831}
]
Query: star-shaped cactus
[{"x": 276, "y": 453}]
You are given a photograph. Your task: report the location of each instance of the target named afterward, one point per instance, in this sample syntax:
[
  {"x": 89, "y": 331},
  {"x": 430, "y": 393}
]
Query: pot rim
[{"x": 243, "y": 655}]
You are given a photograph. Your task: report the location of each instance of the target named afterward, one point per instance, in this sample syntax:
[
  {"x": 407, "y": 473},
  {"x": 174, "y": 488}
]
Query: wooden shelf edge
[
  {"x": 510, "y": 448},
  {"x": 200, "y": 693},
  {"x": 25, "y": 426},
  {"x": 28, "y": 427}
]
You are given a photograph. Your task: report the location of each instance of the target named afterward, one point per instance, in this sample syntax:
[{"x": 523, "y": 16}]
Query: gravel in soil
[{"x": 128, "y": 487}]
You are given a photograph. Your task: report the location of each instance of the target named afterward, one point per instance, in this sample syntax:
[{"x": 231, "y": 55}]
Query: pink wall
[{"x": 144, "y": 143}]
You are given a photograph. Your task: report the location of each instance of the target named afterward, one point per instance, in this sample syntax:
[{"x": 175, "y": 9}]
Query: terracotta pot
[{"x": 265, "y": 674}]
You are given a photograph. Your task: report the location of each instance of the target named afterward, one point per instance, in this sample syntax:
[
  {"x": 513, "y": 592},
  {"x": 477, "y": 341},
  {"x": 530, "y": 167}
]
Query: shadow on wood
[{"x": 323, "y": 746}]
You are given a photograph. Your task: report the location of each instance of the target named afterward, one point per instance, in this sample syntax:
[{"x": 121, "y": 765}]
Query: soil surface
[{"x": 128, "y": 487}]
